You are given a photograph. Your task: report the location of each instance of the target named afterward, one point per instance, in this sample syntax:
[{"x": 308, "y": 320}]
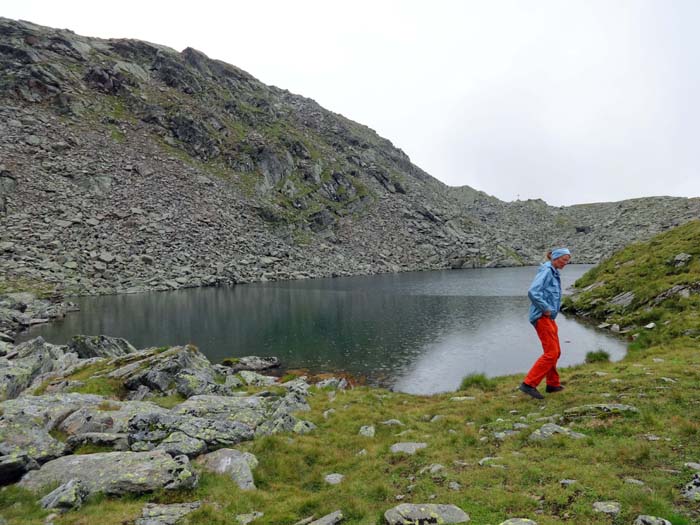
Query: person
[{"x": 545, "y": 296}]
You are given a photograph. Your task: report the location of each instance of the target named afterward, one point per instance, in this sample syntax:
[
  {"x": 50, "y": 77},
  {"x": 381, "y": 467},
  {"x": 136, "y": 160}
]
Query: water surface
[{"x": 415, "y": 332}]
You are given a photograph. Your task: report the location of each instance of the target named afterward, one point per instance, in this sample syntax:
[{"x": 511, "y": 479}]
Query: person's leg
[
  {"x": 547, "y": 332},
  {"x": 553, "y": 376}
]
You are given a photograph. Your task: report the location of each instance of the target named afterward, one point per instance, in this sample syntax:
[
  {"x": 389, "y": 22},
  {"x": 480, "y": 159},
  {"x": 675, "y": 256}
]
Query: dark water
[{"x": 415, "y": 332}]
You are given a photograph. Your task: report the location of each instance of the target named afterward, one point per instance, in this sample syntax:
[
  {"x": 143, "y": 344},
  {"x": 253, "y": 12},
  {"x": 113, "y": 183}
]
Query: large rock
[
  {"x": 26, "y": 423},
  {"x": 233, "y": 463},
  {"x": 424, "y": 514},
  {"x": 151, "y": 429},
  {"x": 110, "y": 417},
  {"x": 691, "y": 491},
  {"x": 100, "y": 346},
  {"x": 13, "y": 467},
  {"x": 30, "y": 360},
  {"x": 643, "y": 519},
  {"x": 116, "y": 473},
  {"x": 251, "y": 362}
]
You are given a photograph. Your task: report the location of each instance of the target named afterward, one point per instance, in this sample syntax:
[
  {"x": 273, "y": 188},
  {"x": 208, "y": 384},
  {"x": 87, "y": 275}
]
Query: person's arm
[{"x": 536, "y": 292}]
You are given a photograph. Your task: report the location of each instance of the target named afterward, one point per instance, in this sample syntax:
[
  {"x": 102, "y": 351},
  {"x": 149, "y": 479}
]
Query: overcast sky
[{"x": 568, "y": 101}]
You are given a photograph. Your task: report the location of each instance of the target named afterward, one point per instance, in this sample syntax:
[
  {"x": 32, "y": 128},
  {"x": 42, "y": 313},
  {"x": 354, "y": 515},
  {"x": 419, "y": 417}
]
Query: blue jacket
[{"x": 545, "y": 292}]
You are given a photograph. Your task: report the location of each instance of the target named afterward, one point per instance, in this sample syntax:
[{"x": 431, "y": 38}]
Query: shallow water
[{"x": 415, "y": 332}]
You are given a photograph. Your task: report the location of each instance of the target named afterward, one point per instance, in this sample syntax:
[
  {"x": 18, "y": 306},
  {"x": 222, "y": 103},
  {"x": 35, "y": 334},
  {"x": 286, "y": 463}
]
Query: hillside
[{"x": 128, "y": 166}]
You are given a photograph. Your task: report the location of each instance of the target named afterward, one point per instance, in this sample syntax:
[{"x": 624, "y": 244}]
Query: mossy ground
[{"x": 291, "y": 471}]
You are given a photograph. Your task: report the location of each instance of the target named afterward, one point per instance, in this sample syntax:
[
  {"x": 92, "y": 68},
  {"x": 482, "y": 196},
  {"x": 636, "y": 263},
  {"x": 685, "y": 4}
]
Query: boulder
[
  {"x": 251, "y": 362},
  {"x": 329, "y": 519},
  {"x": 154, "y": 514},
  {"x": 116, "y": 473},
  {"x": 27, "y": 421},
  {"x": 151, "y": 429},
  {"x": 519, "y": 521},
  {"x": 424, "y": 514},
  {"x": 100, "y": 346},
  {"x": 233, "y": 463},
  {"x": 13, "y": 467},
  {"x": 68, "y": 496}
]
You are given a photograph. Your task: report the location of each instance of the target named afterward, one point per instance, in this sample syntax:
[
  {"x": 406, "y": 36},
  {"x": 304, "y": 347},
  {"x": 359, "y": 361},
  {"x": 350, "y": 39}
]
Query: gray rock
[
  {"x": 334, "y": 479},
  {"x": 367, "y": 431},
  {"x": 87, "y": 346},
  {"x": 179, "y": 443},
  {"x": 611, "y": 508},
  {"x": 519, "y": 521},
  {"x": 153, "y": 514},
  {"x": 598, "y": 410},
  {"x": 650, "y": 520},
  {"x": 255, "y": 379},
  {"x": 107, "y": 417},
  {"x": 692, "y": 465},
  {"x": 155, "y": 427},
  {"x": 245, "y": 519},
  {"x": 117, "y": 441},
  {"x": 567, "y": 482},
  {"x": 233, "y": 463},
  {"x": 623, "y": 299},
  {"x": 27, "y": 421},
  {"x": 13, "y": 467},
  {"x": 329, "y": 519},
  {"x": 407, "y": 448},
  {"x": 393, "y": 422},
  {"x": 116, "y": 473},
  {"x": 409, "y": 514},
  {"x": 68, "y": 496},
  {"x": 691, "y": 491},
  {"x": 251, "y": 362},
  {"x": 681, "y": 259},
  {"x": 548, "y": 430}
]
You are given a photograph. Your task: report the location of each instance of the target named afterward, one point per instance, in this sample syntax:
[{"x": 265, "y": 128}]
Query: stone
[
  {"x": 245, "y": 519},
  {"x": 463, "y": 398},
  {"x": 407, "y": 448},
  {"x": 329, "y": 519},
  {"x": 334, "y": 479},
  {"x": 14, "y": 466},
  {"x": 691, "y": 491},
  {"x": 692, "y": 465},
  {"x": 233, "y": 463},
  {"x": 611, "y": 508},
  {"x": 154, "y": 514},
  {"x": 519, "y": 521},
  {"x": 548, "y": 430},
  {"x": 650, "y": 520},
  {"x": 393, "y": 422},
  {"x": 255, "y": 379},
  {"x": 68, "y": 496},
  {"x": 367, "y": 431},
  {"x": 567, "y": 482},
  {"x": 100, "y": 346},
  {"x": 623, "y": 299},
  {"x": 599, "y": 409},
  {"x": 424, "y": 514},
  {"x": 251, "y": 362},
  {"x": 179, "y": 443},
  {"x": 116, "y": 473}
]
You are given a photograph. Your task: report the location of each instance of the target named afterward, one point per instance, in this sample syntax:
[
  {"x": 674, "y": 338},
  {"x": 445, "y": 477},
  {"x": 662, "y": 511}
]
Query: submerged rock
[{"x": 116, "y": 473}]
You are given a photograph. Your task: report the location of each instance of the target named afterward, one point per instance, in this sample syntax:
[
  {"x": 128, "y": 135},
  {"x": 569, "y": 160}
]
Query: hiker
[{"x": 545, "y": 296}]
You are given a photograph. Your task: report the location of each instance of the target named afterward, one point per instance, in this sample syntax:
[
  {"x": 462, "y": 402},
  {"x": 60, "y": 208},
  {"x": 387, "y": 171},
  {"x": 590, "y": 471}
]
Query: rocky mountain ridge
[{"x": 127, "y": 166}]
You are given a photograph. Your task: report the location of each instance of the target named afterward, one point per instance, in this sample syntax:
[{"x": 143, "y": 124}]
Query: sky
[{"x": 564, "y": 100}]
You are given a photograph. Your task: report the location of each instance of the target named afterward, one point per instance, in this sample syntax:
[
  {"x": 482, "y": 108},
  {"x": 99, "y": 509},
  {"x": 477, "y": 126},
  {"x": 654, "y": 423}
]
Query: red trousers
[{"x": 546, "y": 365}]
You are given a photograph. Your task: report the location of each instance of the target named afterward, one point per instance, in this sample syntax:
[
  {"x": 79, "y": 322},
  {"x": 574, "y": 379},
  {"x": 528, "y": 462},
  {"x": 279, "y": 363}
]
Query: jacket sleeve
[{"x": 536, "y": 291}]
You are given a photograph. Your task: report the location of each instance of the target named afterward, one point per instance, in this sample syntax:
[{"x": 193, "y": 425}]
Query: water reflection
[{"x": 417, "y": 332}]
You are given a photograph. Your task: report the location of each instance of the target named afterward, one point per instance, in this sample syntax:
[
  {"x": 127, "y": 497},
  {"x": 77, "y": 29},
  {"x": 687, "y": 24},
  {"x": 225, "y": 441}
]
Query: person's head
[{"x": 559, "y": 257}]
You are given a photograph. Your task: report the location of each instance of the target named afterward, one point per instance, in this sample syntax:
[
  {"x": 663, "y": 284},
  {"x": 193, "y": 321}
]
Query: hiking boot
[
  {"x": 551, "y": 389},
  {"x": 530, "y": 391}
]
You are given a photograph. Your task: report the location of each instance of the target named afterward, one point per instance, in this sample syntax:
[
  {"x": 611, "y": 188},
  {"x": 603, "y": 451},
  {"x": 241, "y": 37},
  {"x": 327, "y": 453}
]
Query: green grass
[
  {"x": 598, "y": 356},
  {"x": 651, "y": 445}
]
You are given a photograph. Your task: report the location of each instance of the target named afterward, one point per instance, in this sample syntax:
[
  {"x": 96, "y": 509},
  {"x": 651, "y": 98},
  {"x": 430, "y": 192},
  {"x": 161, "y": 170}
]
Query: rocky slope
[{"x": 127, "y": 166}]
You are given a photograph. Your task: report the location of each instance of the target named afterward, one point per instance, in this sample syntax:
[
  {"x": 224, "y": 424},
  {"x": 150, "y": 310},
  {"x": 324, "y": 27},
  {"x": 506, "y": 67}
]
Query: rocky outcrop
[{"x": 406, "y": 514}]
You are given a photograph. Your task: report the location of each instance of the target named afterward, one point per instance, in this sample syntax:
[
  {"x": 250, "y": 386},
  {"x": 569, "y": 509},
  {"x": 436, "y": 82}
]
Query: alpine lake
[{"x": 418, "y": 332}]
